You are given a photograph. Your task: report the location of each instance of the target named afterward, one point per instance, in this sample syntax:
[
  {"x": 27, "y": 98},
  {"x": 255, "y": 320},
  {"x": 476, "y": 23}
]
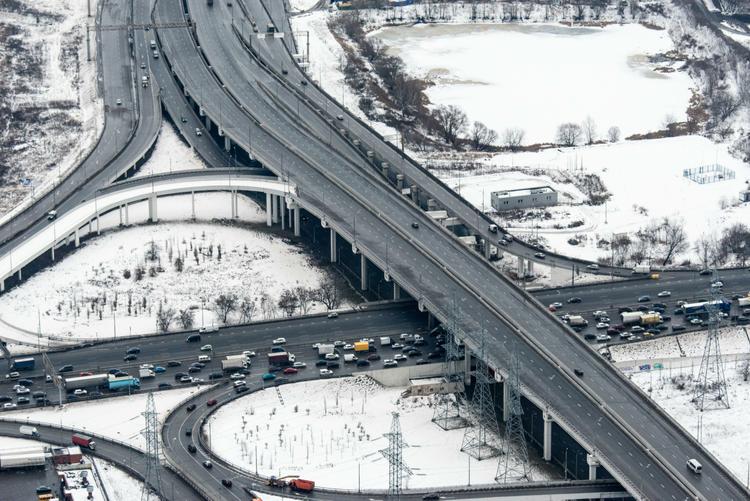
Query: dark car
[
  {"x": 578, "y": 372},
  {"x": 193, "y": 338},
  {"x": 200, "y": 365},
  {"x": 191, "y": 448},
  {"x": 575, "y": 300},
  {"x": 226, "y": 483},
  {"x": 190, "y": 408},
  {"x": 590, "y": 336},
  {"x": 659, "y": 305},
  {"x": 415, "y": 225},
  {"x": 333, "y": 365},
  {"x": 113, "y": 371},
  {"x": 121, "y": 374},
  {"x": 274, "y": 369},
  {"x": 321, "y": 363},
  {"x": 72, "y": 398},
  {"x": 414, "y": 353},
  {"x": 133, "y": 351},
  {"x": 678, "y": 311},
  {"x": 129, "y": 358},
  {"x": 363, "y": 363},
  {"x": 374, "y": 357},
  {"x": 666, "y": 318},
  {"x": 216, "y": 375},
  {"x": 193, "y": 370},
  {"x": 5, "y": 398},
  {"x": 42, "y": 402},
  {"x": 678, "y": 328},
  {"x": 743, "y": 321},
  {"x": 643, "y": 308},
  {"x": 65, "y": 368},
  {"x": 23, "y": 400},
  {"x": 26, "y": 382},
  {"x": 654, "y": 331},
  {"x": 211, "y": 402},
  {"x": 242, "y": 389},
  {"x": 705, "y": 272},
  {"x": 164, "y": 386},
  {"x": 174, "y": 363},
  {"x": 435, "y": 354},
  {"x": 624, "y": 309},
  {"x": 422, "y": 361},
  {"x": 644, "y": 299},
  {"x": 280, "y": 380},
  {"x": 430, "y": 497}
]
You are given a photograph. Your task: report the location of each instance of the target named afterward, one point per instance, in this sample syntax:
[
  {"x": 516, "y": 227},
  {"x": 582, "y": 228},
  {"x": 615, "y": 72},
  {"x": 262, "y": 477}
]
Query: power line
[
  {"x": 152, "y": 477},
  {"x": 397, "y": 469},
  {"x": 515, "y": 439},
  {"x": 447, "y": 413}
]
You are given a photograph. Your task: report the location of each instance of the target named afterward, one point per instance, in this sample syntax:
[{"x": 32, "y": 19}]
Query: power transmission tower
[
  {"x": 515, "y": 441},
  {"x": 152, "y": 478},
  {"x": 394, "y": 454},
  {"x": 710, "y": 391},
  {"x": 447, "y": 413},
  {"x": 478, "y": 439}
]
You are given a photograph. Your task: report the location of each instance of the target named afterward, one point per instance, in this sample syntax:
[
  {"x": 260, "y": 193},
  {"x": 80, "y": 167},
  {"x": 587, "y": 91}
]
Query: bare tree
[
  {"x": 267, "y": 306},
  {"x": 451, "y": 122},
  {"x": 247, "y": 309},
  {"x": 735, "y": 240},
  {"x": 673, "y": 238},
  {"x": 164, "y": 318},
  {"x": 568, "y": 134},
  {"x": 328, "y": 294},
  {"x": 589, "y": 130},
  {"x": 729, "y": 7},
  {"x": 513, "y": 138},
  {"x": 723, "y": 105},
  {"x": 186, "y": 318},
  {"x": 224, "y": 305},
  {"x": 306, "y": 296},
  {"x": 481, "y": 136},
  {"x": 613, "y": 134},
  {"x": 705, "y": 247},
  {"x": 288, "y": 302}
]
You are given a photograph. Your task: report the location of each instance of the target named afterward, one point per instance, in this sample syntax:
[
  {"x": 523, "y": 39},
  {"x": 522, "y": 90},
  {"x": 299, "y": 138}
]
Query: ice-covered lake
[{"x": 536, "y": 76}]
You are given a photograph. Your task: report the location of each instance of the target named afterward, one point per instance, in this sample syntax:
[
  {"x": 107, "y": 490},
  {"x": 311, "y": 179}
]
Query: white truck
[
  {"x": 325, "y": 349},
  {"x": 30, "y": 431},
  {"x": 743, "y": 302},
  {"x": 642, "y": 268},
  {"x": 349, "y": 358},
  {"x": 577, "y": 321},
  {"x": 631, "y": 317},
  {"x": 385, "y": 341},
  {"x": 233, "y": 362},
  {"x": 145, "y": 373}
]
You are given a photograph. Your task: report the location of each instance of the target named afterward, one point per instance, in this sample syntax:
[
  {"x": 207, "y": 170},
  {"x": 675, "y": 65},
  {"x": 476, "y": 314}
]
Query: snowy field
[
  {"x": 340, "y": 430},
  {"x": 50, "y": 88},
  {"x": 97, "y": 289},
  {"x": 170, "y": 154},
  {"x": 610, "y": 78},
  {"x": 636, "y": 173},
  {"x": 116, "y": 418}
]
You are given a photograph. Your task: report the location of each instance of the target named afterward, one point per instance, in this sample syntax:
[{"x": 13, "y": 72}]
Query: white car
[
  {"x": 625, "y": 335},
  {"x": 239, "y": 383},
  {"x": 279, "y": 340},
  {"x": 248, "y": 353},
  {"x": 237, "y": 375},
  {"x": 80, "y": 392},
  {"x": 539, "y": 255},
  {"x": 206, "y": 330},
  {"x": 399, "y": 357},
  {"x": 332, "y": 356},
  {"x": 9, "y": 405},
  {"x": 147, "y": 366},
  {"x": 186, "y": 379},
  {"x": 22, "y": 390},
  {"x": 404, "y": 335},
  {"x": 556, "y": 305},
  {"x": 207, "y": 347},
  {"x": 603, "y": 338},
  {"x": 299, "y": 365},
  {"x": 718, "y": 284},
  {"x": 326, "y": 373},
  {"x": 338, "y": 344},
  {"x": 397, "y": 346},
  {"x": 604, "y": 320},
  {"x": 333, "y": 314},
  {"x": 389, "y": 363},
  {"x": 593, "y": 266},
  {"x": 316, "y": 345},
  {"x": 664, "y": 294},
  {"x": 600, "y": 313},
  {"x": 13, "y": 375},
  {"x": 695, "y": 321},
  {"x": 348, "y": 346},
  {"x": 602, "y": 325}
]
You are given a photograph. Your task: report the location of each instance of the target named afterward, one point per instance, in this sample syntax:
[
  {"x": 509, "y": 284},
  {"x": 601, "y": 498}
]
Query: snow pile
[
  {"x": 50, "y": 112},
  {"x": 302, "y": 5},
  {"x": 331, "y": 430},
  {"x": 117, "y": 418},
  {"x": 118, "y": 484},
  {"x": 122, "y": 279},
  {"x": 611, "y": 78}
]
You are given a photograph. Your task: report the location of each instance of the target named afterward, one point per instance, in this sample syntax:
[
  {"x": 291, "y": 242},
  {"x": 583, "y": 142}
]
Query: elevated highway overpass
[{"x": 634, "y": 440}]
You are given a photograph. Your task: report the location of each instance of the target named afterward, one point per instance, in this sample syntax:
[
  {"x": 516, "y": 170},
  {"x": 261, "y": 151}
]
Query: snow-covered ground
[
  {"x": 328, "y": 430},
  {"x": 546, "y": 74},
  {"x": 52, "y": 114},
  {"x": 118, "y": 418},
  {"x": 645, "y": 179},
  {"x": 76, "y": 297},
  {"x": 302, "y": 5},
  {"x": 170, "y": 154}
]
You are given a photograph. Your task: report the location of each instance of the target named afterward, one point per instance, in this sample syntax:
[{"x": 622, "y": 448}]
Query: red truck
[
  {"x": 84, "y": 441},
  {"x": 300, "y": 485},
  {"x": 280, "y": 358}
]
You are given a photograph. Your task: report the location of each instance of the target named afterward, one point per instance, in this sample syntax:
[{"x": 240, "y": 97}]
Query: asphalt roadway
[
  {"x": 616, "y": 420},
  {"x": 158, "y": 350}
]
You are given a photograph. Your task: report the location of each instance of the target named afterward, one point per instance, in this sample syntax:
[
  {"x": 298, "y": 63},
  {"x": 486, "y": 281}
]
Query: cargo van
[
  {"x": 204, "y": 359},
  {"x": 28, "y": 431},
  {"x": 144, "y": 81},
  {"x": 694, "y": 466}
]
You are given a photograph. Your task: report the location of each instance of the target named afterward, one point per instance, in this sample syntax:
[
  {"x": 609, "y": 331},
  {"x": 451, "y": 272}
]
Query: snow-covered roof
[{"x": 537, "y": 190}]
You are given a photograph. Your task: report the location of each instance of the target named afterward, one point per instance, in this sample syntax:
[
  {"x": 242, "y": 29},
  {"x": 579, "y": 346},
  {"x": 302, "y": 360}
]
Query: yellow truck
[{"x": 361, "y": 346}]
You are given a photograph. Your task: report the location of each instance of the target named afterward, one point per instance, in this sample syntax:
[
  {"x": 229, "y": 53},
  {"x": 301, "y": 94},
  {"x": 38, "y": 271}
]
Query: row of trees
[
  {"x": 571, "y": 134},
  {"x": 297, "y": 299}
]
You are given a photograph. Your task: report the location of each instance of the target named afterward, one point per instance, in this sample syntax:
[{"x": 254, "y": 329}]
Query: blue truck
[
  {"x": 702, "y": 307},
  {"x": 24, "y": 364},
  {"x": 124, "y": 382}
]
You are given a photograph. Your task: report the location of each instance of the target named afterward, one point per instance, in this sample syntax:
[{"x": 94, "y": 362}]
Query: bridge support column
[
  {"x": 467, "y": 365},
  {"x": 152, "y": 212},
  {"x": 363, "y": 272},
  {"x": 593, "y": 465},
  {"x": 127, "y": 214},
  {"x": 98, "y": 227},
  {"x": 236, "y": 205},
  {"x": 282, "y": 210},
  {"x": 297, "y": 229},
  {"x": 274, "y": 211},
  {"x": 487, "y": 249},
  {"x": 53, "y": 251},
  {"x": 400, "y": 181},
  {"x": 431, "y": 204},
  {"x": 520, "y": 270},
  {"x": 20, "y": 275},
  {"x": 547, "y": 453},
  {"x": 227, "y": 143},
  {"x": 269, "y": 198},
  {"x": 530, "y": 266},
  {"x": 77, "y": 238},
  {"x": 415, "y": 194},
  {"x": 119, "y": 209},
  {"x": 192, "y": 205},
  {"x": 208, "y": 124},
  {"x": 334, "y": 250},
  {"x": 396, "y": 291},
  {"x": 506, "y": 399},
  {"x": 2, "y": 285},
  {"x": 430, "y": 321}
]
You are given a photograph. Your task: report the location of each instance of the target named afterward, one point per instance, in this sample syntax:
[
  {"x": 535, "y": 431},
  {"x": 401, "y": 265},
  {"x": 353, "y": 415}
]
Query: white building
[{"x": 540, "y": 196}]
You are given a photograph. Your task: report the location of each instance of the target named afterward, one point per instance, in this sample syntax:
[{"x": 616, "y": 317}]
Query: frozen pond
[{"x": 536, "y": 76}]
